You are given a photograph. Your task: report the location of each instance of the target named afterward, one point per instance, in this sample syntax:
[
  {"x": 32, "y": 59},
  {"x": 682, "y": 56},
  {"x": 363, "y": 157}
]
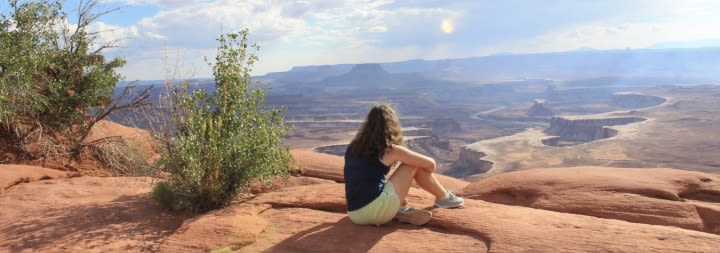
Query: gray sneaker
[
  {"x": 451, "y": 201},
  {"x": 413, "y": 216}
]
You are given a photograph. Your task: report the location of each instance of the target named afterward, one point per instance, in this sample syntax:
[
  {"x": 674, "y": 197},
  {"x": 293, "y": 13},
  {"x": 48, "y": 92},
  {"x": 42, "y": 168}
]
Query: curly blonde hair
[{"x": 378, "y": 133}]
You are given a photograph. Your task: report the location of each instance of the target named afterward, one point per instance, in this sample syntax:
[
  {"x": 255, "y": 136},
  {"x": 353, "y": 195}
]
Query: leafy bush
[
  {"x": 52, "y": 70},
  {"x": 221, "y": 143},
  {"x": 52, "y": 74}
]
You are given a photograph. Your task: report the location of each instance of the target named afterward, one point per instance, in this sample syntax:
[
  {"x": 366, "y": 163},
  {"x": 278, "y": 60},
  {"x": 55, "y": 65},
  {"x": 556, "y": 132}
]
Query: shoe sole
[
  {"x": 416, "y": 217},
  {"x": 450, "y": 206}
]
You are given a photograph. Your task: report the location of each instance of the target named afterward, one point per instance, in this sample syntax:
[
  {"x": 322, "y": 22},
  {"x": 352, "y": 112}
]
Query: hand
[{"x": 404, "y": 202}]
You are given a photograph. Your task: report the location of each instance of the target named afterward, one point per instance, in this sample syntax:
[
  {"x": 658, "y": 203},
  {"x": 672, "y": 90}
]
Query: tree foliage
[
  {"x": 221, "y": 143},
  {"x": 52, "y": 71}
]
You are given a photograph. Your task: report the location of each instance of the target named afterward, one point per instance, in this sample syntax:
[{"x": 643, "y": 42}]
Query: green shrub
[
  {"x": 221, "y": 144},
  {"x": 51, "y": 75},
  {"x": 163, "y": 194},
  {"x": 53, "y": 71}
]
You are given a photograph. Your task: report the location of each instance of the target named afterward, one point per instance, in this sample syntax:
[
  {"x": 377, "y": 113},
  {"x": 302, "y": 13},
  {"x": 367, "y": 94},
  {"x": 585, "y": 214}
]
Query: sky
[{"x": 170, "y": 38}]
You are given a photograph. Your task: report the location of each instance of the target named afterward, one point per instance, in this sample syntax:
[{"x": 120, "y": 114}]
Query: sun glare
[{"x": 447, "y": 26}]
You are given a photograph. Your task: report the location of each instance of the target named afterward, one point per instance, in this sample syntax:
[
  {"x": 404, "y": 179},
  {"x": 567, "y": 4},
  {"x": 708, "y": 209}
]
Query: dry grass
[{"x": 120, "y": 157}]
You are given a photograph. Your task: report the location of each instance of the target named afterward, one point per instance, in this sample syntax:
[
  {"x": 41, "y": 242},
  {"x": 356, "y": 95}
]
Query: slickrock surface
[
  {"x": 137, "y": 138},
  {"x": 311, "y": 219},
  {"x": 307, "y": 214},
  {"x": 11, "y": 175},
  {"x": 83, "y": 214},
  {"x": 679, "y": 198}
]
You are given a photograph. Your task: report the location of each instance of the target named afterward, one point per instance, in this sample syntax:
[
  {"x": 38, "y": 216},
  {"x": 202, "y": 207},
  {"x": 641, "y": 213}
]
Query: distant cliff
[
  {"x": 360, "y": 74},
  {"x": 616, "y": 67},
  {"x": 445, "y": 126},
  {"x": 365, "y": 78},
  {"x": 576, "y": 131},
  {"x": 469, "y": 163},
  {"x": 636, "y": 101},
  {"x": 540, "y": 108}
]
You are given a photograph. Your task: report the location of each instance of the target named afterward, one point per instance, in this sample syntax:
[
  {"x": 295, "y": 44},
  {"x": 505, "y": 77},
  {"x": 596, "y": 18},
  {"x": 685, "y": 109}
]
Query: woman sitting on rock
[{"x": 372, "y": 198}]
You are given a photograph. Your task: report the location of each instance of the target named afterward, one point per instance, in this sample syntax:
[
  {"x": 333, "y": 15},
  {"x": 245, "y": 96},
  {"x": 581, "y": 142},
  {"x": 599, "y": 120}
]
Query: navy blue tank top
[{"x": 364, "y": 179}]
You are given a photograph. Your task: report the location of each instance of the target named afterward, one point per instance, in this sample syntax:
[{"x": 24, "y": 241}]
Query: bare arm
[{"x": 409, "y": 157}]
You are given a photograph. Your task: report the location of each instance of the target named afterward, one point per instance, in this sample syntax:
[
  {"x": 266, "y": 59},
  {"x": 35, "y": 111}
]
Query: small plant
[
  {"x": 164, "y": 194},
  {"x": 122, "y": 157},
  {"x": 221, "y": 143}
]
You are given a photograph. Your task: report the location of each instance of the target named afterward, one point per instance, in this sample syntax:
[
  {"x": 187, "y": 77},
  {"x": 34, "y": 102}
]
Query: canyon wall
[
  {"x": 469, "y": 163},
  {"x": 636, "y": 101},
  {"x": 576, "y": 131}
]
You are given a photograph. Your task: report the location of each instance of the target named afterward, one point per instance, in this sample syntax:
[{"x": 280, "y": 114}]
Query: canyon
[
  {"x": 577, "y": 127},
  {"x": 478, "y": 128},
  {"x": 566, "y": 152},
  {"x": 628, "y": 138}
]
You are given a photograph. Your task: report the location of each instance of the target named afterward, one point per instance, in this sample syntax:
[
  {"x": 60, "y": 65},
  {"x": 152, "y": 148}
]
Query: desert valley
[
  {"x": 590, "y": 151},
  {"x": 648, "y": 115}
]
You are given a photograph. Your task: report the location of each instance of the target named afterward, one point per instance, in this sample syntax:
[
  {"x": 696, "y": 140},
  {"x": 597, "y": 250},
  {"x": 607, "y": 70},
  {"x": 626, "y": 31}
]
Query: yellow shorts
[{"x": 379, "y": 211}]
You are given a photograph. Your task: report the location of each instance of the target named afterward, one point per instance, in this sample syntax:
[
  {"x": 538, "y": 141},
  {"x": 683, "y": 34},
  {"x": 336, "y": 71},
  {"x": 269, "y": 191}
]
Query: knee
[
  {"x": 412, "y": 169},
  {"x": 423, "y": 171}
]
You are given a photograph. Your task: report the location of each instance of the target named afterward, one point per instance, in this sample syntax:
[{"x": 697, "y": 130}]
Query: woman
[{"x": 371, "y": 198}]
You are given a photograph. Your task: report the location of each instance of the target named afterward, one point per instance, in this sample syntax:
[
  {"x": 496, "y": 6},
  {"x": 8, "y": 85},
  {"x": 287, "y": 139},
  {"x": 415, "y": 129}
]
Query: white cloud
[
  {"x": 156, "y": 36},
  {"x": 611, "y": 36},
  {"x": 309, "y": 26},
  {"x": 378, "y": 29},
  {"x": 161, "y": 3},
  {"x": 344, "y": 31}
]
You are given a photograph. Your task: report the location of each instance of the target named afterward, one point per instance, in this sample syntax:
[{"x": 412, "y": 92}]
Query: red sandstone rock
[
  {"x": 235, "y": 226},
  {"x": 669, "y": 197},
  {"x": 137, "y": 138},
  {"x": 304, "y": 214},
  {"x": 11, "y": 175},
  {"x": 280, "y": 183},
  {"x": 83, "y": 214},
  {"x": 314, "y": 164},
  {"x": 310, "y": 219}
]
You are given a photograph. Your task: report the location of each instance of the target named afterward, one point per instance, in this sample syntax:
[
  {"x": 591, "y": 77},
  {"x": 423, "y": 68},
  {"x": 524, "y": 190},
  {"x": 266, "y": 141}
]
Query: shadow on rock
[
  {"x": 113, "y": 225},
  {"x": 333, "y": 236}
]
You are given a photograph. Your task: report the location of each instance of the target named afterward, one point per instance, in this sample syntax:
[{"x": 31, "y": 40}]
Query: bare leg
[
  {"x": 402, "y": 179},
  {"x": 427, "y": 181}
]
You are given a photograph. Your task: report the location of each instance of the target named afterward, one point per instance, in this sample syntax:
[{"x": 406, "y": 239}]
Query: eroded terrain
[
  {"x": 479, "y": 129},
  {"x": 476, "y": 128},
  {"x": 683, "y": 132}
]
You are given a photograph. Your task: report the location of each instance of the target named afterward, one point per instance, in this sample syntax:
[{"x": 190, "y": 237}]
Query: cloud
[
  {"x": 299, "y": 9},
  {"x": 305, "y": 32},
  {"x": 195, "y": 24},
  {"x": 378, "y": 29},
  {"x": 600, "y": 35},
  {"x": 160, "y": 3},
  {"x": 192, "y": 27}
]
